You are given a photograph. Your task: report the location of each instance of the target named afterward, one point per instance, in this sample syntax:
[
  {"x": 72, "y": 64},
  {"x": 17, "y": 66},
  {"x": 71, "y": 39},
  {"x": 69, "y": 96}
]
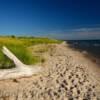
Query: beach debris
[{"x": 20, "y": 70}]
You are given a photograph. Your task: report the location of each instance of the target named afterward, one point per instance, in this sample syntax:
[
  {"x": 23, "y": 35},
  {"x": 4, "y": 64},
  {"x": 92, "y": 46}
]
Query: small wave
[
  {"x": 96, "y": 45},
  {"x": 84, "y": 52}
]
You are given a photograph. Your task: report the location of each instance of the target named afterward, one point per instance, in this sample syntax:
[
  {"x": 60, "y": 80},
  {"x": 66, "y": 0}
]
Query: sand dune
[{"x": 68, "y": 75}]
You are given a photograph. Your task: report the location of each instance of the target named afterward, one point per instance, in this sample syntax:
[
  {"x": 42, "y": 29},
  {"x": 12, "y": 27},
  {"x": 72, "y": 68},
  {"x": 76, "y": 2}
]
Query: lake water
[{"x": 90, "y": 46}]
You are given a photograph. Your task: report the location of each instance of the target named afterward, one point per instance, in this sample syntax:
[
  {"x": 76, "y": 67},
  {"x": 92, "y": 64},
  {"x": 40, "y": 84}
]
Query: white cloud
[{"x": 86, "y": 29}]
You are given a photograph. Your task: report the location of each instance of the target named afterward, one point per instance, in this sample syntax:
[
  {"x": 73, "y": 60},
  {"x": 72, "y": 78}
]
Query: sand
[{"x": 67, "y": 75}]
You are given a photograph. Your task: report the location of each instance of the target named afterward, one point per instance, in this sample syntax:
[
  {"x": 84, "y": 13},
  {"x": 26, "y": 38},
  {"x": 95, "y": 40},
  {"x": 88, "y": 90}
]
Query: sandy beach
[{"x": 67, "y": 75}]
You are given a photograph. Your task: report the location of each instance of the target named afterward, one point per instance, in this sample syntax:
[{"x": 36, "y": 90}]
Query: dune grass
[{"x": 19, "y": 45}]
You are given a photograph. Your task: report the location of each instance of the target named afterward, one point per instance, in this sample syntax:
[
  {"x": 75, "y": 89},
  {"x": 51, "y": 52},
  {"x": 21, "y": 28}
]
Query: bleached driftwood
[{"x": 20, "y": 70}]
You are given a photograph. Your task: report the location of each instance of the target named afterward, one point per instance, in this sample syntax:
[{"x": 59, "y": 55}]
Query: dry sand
[{"x": 67, "y": 75}]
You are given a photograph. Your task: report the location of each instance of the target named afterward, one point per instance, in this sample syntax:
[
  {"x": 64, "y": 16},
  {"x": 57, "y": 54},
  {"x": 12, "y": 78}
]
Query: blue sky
[{"x": 63, "y": 19}]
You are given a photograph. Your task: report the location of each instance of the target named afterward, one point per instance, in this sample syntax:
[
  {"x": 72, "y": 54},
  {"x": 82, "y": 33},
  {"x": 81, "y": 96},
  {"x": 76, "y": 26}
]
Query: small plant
[{"x": 42, "y": 60}]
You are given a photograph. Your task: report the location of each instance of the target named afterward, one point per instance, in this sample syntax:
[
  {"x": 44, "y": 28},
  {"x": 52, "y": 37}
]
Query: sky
[{"x": 61, "y": 19}]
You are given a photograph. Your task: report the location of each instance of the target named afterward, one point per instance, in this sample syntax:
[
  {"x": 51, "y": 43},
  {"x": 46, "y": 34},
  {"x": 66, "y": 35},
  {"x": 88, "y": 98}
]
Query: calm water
[{"x": 91, "y": 46}]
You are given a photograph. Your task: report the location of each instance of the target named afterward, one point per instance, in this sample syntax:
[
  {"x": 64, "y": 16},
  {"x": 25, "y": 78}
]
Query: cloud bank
[{"x": 80, "y": 33}]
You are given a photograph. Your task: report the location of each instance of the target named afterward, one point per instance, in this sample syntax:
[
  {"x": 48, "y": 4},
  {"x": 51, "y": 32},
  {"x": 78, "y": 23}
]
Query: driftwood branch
[{"x": 20, "y": 70}]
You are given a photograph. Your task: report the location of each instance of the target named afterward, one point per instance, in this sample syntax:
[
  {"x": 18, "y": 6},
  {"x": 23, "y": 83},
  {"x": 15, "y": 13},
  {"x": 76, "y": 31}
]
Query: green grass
[{"x": 19, "y": 46}]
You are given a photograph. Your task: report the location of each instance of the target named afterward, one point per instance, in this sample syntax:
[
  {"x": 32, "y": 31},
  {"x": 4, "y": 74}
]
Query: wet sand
[{"x": 67, "y": 75}]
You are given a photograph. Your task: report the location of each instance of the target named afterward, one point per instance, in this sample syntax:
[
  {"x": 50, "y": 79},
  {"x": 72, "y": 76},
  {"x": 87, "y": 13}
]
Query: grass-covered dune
[{"x": 19, "y": 46}]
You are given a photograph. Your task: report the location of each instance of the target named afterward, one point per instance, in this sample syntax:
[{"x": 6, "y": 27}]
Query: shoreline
[
  {"x": 94, "y": 59},
  {"x": 88, "y": 55},
  {"x": 67, "y": 75}
]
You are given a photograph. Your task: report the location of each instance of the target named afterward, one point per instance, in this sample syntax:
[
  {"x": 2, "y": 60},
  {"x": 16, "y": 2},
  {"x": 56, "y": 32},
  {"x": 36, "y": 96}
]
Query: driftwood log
[{"x": 20, "y": 70}]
